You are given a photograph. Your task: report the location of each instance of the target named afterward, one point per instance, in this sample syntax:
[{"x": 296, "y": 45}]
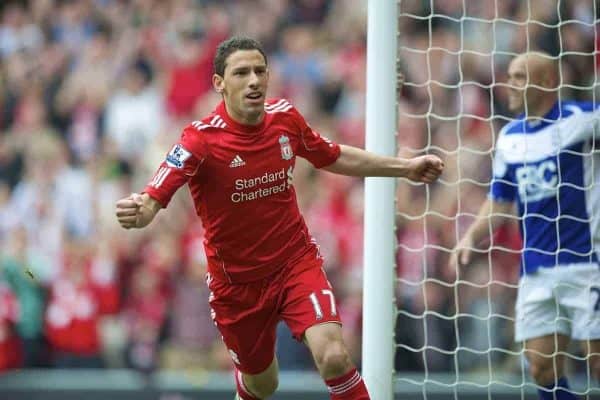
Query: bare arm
[
  {"x": 492, "y": 213},
  {"x": 137, "y": 210},
  {"x": 357, "y": 162}
]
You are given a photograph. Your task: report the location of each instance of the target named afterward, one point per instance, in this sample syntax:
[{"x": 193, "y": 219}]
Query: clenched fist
[
  {"x": 136, "y": 211},
  {"x": 425, "y": 169}
]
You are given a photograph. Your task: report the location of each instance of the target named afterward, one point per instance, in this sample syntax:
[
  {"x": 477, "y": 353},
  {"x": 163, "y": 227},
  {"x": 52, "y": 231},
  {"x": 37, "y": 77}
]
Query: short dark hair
[{"x": 230, "y": 46}]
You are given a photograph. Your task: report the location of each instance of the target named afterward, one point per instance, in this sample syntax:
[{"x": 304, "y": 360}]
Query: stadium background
[{"x": 93, "y": 92}]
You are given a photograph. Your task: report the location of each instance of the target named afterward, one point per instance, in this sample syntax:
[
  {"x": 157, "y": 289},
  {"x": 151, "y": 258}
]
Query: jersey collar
[
  {"x": 221, "y": 110},
  {"x": 554, "y": 113},
  {"x": 533, "y": 125}
]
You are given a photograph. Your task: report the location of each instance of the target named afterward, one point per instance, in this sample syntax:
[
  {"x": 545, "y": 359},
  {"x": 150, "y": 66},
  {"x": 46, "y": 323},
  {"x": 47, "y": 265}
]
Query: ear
[
  {"x": 218, "y": 83},
  {"x": 547, "y": 80},
  {"x": 553, "y": 80}
]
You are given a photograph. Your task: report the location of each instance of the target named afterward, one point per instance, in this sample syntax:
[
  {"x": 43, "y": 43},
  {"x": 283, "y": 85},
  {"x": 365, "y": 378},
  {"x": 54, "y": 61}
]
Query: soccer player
[
  {"x": 263, "y": 265},
  {"x": 544, "y": 163}
]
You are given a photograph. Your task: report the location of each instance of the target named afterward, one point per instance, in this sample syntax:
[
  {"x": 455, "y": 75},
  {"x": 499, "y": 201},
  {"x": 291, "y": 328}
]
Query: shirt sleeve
[
  {"x": 503, "y": 187},
  {"x": 317, "y": 149},
  {"x": 181, "y": 163},
  {"x": 582, "y": 125}
]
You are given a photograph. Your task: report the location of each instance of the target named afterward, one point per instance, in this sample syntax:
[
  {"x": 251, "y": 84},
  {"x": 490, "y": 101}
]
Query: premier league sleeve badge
[{"x": 177, "y": 156}]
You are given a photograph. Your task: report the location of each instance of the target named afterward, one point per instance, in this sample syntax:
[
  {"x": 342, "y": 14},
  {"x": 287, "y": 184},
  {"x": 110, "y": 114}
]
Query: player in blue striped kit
[{"x": 545, "y": 163}]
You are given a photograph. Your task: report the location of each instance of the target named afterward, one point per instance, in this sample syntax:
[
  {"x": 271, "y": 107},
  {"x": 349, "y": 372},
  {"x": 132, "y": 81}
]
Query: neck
[{"x": 542, "y": 108}]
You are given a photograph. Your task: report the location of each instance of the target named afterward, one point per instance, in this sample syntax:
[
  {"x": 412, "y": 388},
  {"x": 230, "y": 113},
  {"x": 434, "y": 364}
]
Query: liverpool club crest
[{"x": 286, "y": 148}]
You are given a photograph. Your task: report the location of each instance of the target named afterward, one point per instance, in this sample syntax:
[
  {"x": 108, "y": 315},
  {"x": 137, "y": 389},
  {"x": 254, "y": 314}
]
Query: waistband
[{"x": 238, "y": 274}]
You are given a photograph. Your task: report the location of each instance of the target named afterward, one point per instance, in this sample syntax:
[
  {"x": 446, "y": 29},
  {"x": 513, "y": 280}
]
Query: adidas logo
[{"x": 236, "y": 162}]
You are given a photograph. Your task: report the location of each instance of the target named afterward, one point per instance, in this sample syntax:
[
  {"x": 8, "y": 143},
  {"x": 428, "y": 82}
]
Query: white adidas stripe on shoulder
[
  {"x": 215, "y": 122},
  {"x": 277, "y": 104},
  {"x": 280, "y": 109},
  {"x": 281, "y": 106},
  {"x": 218, "y": 122},
  {"x": 200, "y": 125}
]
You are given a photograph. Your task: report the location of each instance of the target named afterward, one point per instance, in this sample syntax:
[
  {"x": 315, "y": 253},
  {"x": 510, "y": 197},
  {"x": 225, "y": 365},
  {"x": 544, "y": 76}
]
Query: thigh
[
  {"x": 537, "y": 311},
  {"x": 308, "y": 298},
  {"x": 591, "y": 348},
  {"x": 593, "y": 353},
  {"x": 247, "y": 320},
  {"x": 547, "y": 350}
]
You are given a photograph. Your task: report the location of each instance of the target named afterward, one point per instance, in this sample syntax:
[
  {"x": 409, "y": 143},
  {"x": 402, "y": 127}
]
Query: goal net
[{"x": 455, "y": 334}]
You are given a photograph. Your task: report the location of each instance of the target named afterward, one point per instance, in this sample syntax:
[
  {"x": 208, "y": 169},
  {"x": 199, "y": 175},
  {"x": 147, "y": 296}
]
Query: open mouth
[{"x": 254, "y": 96}]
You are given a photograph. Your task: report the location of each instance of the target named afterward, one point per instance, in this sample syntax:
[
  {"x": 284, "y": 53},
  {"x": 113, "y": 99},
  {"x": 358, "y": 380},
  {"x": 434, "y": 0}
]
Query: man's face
[
  {"x": 244, "y": 85},
  {"x": 517, "y": 79}
]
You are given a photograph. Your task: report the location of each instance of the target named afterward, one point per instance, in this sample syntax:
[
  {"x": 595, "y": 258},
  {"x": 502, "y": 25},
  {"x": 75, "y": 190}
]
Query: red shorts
[{"x": 247, "y": 314}]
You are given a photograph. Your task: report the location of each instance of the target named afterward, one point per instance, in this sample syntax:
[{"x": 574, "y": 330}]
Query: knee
[
  {"x": 333, "y": 360},
  {"x": 263, "y": 388},
  {"x": 543, "y": 373}
]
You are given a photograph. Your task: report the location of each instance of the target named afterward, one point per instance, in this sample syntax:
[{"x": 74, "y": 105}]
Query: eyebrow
[{"x": 250, "y": 66}]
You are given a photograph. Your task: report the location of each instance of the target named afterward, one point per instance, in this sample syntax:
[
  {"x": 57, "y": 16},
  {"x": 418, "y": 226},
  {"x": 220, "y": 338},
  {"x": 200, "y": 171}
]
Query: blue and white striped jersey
[{"x": 549, "y": 168}]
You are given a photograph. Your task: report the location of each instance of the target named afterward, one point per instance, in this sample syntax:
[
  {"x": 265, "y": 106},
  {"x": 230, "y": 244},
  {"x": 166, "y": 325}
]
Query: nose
[{"x": 253, "y": 82}]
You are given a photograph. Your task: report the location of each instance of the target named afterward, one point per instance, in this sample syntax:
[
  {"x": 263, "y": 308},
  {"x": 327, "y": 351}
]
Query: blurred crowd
[{"x": 94, "y": 92}]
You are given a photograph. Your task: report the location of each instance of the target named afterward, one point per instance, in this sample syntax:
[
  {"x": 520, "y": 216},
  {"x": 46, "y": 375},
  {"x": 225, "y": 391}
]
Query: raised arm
[
  {"x": 353, "y": 161},
  {"x": 179, "y": 165}
]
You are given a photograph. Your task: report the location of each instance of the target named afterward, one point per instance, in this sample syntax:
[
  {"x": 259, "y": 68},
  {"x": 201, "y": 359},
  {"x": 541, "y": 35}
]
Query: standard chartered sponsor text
[{"x": 241, "y": 195}]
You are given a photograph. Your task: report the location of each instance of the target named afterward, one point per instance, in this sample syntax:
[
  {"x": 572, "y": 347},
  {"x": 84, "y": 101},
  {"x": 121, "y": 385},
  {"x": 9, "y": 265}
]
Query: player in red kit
[{"x": 263, "y": 265}]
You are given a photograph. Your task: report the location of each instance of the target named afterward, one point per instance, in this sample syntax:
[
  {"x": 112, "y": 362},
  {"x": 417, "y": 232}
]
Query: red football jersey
[{"x": 241, "y": 180}]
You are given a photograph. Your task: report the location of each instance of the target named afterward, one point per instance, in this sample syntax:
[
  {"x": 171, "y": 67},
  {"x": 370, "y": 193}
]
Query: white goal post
[{"x": 379, "y": 234}]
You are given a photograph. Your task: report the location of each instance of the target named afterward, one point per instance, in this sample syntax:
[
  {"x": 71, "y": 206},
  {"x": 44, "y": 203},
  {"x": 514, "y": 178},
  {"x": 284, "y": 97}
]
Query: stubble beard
[
  {"x": 253, "y": 114},
  {"x": 516, "y": 104}
]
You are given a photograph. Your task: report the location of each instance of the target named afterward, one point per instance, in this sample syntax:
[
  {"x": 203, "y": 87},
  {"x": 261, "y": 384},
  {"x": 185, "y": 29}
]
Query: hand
[
  {"x": 462, "y": 253},
  {"x": 425, "y": 169},
  {"x": 129, "y": 211}
]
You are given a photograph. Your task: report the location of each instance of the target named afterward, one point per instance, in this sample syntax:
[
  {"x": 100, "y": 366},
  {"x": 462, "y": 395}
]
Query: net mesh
[{"x": 456, "y": 333}]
